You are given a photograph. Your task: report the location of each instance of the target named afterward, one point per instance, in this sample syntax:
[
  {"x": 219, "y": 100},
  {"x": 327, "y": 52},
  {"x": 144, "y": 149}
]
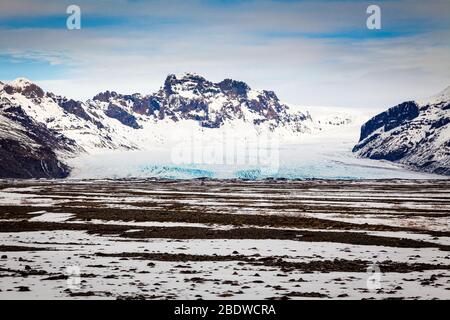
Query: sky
[{"x": 311, "y": 53}]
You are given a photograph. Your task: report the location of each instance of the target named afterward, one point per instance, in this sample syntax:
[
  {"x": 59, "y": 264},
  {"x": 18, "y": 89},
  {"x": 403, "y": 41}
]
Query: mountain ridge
[
  {"x": 414, "y": 133},
  {"x": 185, "y": 105},
  {"x": 28, "y": 149},
  {"x": 111, "y": 121}
]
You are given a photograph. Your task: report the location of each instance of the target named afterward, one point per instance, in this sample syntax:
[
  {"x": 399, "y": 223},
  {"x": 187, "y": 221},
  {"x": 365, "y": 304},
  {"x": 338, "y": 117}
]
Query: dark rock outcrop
[
  {"x": 29, "y": 150},
  {"x": 390, "y": 119},
  {"x": 124, "y": 117},
  {"x": 414, "y": 134},
  {"x": 26, "y": 88},
  {"x": 20, "y": 162}
]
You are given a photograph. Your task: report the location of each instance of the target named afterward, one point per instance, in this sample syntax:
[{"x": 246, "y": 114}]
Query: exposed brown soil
[
  {"x": 173, "y": 214},
  {"x": 237, "y": 233},
  {"x": 229, "y": 210},
  {"x": 337, "y": 265},
  {"x": 19, "y": 248}
]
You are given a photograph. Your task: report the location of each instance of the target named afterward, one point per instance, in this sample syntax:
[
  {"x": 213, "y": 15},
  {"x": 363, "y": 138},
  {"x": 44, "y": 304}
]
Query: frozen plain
[{"x": 214, "y": 239}]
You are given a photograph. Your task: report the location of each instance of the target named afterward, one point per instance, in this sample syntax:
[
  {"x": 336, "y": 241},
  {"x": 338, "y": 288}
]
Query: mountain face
[
  {"x": 40, "y": 130},
  {"x": 28, "y": 149},
  {"x": 414, "y": 133},
  {"x": 192, "y": 97}
]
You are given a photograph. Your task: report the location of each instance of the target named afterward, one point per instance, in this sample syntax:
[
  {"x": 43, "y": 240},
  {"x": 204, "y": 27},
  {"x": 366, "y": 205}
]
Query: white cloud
[{"x": 220, "y": 43}]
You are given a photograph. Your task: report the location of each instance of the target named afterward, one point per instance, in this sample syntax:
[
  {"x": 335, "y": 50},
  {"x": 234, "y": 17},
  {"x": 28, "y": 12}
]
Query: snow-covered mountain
[
  {"x": 191, "y": 97},
  {"x": 29, "y": 149},
  {"x": 414, "y": 133},
  {"x": 185, "y": 105}
]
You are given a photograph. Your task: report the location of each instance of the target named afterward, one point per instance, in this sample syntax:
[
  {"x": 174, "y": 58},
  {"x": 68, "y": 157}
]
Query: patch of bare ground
[
  {"x": 336, "y": 265},
  {"x": 172, "y": 214},
  {"x": 178, "y": 213},
  {"x": 20, "y": 212},
  {"x": 356, "y": 238},
  {"x": 20, "y": 248}
]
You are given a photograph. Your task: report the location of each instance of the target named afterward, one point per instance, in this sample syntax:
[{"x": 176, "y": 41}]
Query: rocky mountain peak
[
  {"x": 105, "y": 96},
  {"x": 20, "y": 83},
  {"x": 25, "y": 87},
  {"x": 233, "y": 87},
  {"x": 190, "y": 96},
  {"x": 187, "y": 82}
]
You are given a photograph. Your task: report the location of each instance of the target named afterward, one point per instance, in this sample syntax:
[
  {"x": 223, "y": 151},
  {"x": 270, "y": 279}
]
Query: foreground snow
[{"x": 147, "y": 239}]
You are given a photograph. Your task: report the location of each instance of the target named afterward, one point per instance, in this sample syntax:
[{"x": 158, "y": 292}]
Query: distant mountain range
[
  {"x": 414, "y": 133},
  {"x": 40, "y": 131}
]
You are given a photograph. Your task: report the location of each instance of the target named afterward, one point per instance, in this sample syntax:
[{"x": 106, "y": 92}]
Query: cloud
[{"x": 309, "y": 52}]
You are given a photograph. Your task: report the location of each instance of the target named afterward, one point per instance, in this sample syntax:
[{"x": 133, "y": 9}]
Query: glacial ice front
[{"x": 315, "y": 159}]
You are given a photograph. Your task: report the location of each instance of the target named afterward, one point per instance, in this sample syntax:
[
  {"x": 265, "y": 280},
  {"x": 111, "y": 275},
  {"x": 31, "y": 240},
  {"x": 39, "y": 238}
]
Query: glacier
[{"x": 324, "y": 156}]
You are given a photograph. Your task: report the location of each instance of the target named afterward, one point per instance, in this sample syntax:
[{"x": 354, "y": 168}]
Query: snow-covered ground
[{"x": 165, "y": 239}]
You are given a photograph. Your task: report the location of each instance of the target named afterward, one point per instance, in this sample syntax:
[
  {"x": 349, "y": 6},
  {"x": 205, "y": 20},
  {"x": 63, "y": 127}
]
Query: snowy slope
[
  {"x": 187, "y": 109},
  {"x": 112, "y": 121},
  {"x": 28, "y": 149},
  {"x": 73, "y": 119},
  {"x": 414, "y": 133}
]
